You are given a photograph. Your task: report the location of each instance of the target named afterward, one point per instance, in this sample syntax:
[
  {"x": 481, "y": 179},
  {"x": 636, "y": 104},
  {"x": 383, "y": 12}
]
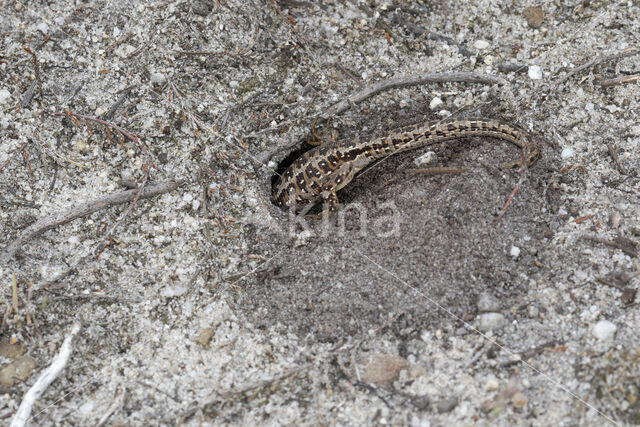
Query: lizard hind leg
[{"x": 330, "y": 205}]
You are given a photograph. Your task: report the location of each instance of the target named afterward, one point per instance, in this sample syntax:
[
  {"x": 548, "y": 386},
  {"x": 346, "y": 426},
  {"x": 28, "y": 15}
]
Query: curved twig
[{"x": 84, "y": 209}]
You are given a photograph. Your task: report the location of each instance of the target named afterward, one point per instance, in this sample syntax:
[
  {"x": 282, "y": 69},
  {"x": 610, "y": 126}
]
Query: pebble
[
  {"x": 604, "y": 330},
  {"x": 447, "y": 405},
  {"x": 435, "y": 103},
  {"x": 4, "y": 96},
  {"x": 17, "y": 371},
  {"x": 158, "y": 78},
  {"x": 481, "y": 44},
  {"x": 43, "y": 28},
  {"x": 204, "y": 336},
  {"x": 514, "y": 252},
  {"x": 491, "y": 385},
  {"x": 615, "y": 219},
  {"x": 488, "y": 303},
  {"x": 425, "y": 159},
  {"x": 490, "y": 321},
  {"x": 383, "y": 368},
  {"x": 566, "y": 153},
  {"x": 534, "y": 16},
  {"x": 535, "y": 72}
]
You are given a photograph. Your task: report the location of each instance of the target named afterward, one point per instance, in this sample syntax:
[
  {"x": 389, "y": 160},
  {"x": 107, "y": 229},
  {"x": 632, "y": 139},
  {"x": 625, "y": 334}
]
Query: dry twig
[
  {"x": 52, "y": 221},
  {"x": 613, "y": 152},
  {"x": 620, "y": 80},
  {"x": 595, "y": 61},
  {"x": 407, "y": 81}
]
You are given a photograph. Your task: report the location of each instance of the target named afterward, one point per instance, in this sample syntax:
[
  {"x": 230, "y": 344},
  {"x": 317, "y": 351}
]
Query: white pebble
[
  {"x": 489, "y": 321},
  {"x": 158, "y": 78},
  {"x": 514, "y": 252},
  {"x": 4, "y": 95},
  {"x": 425, "y": 159},
  {"x": 535, "y": 72},
  {"x": 566, "y": 153},
  {"x": 435, "y": 103},
  {"x": 187, "y": 197},
  {"x": 604, "y": 330},
  {"x": 488, "y": 303},
  {"x": 43, "y": 28},
  {"x": 481, "y": 44}
]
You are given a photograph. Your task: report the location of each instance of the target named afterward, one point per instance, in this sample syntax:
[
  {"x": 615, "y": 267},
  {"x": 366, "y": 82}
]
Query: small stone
[
  {"x": 382, "y": 369},
  {"x": 490, "y": 321},
  {"x": 488, "y": 303},
  {"x": 491, "y": 385},
  {"x": 10, "y": 350},
  {"x": 535, "y": 72},
  {"x": 514, "y": 252},
  {"x": 615, "y": 219},
  {"x": 481, "y": 44},
  {"x": 604, "y": 330},
  {"x": 43, "y": 28},
  {"x": 421, "y": 402},
  {"x": 124, "y": 50},
  {"x": 204, "y": 337},
  {"x": 566, "y": 153},
  {"x": 435, "y": 103},
  {"x": 534, "y": 16},
  {"x": 81, "y": 146},
  {"x": 426, "y": 159},
  {"x": 16, "y": 371},
  {"x": 4, "y": 96},
  {"x": 158, "y": 78},
  {"x": 447, "y": 405}
]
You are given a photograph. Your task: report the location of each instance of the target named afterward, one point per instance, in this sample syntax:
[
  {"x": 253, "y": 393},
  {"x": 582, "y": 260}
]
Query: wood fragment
[
  {"x": 619, "y": 280},
  {"x": 84, "y": 209},
  {"x": 613, "y": 152},
  {"x": 595, "y": 61},
  {"x": 620, "y": 80},
  {"x": 528, "y": 354},
  {"x": 627, "y": 246}
]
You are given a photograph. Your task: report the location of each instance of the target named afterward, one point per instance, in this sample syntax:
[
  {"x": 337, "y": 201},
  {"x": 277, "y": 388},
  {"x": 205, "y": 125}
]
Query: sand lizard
[{"x": 319, "y": 173}]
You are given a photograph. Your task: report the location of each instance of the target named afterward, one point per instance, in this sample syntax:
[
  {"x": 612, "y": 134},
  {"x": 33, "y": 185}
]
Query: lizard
[{"x": 318, "y": 174}]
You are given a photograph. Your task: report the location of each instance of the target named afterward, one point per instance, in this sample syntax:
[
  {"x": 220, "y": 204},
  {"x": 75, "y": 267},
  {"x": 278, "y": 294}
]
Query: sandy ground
[{"x": 207, "y": 305}]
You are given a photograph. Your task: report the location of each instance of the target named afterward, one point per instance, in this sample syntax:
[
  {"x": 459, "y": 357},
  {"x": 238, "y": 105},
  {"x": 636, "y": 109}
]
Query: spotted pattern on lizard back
[{"x": 319, "y": 173}]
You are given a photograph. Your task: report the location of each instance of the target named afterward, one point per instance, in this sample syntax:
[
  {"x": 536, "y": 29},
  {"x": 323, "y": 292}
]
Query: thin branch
[
  {"x": 613, "y": 152},
  {"x": 46, "y": 378},
  {"x": 117, "y": 403},
  {"x": 595, "y": 61},
  {"x": 407, "y": 81},
  {"x": 620, "y": 80},
  {"x": 74, "y": 117},
  {"x": 52, "y": 221}
]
